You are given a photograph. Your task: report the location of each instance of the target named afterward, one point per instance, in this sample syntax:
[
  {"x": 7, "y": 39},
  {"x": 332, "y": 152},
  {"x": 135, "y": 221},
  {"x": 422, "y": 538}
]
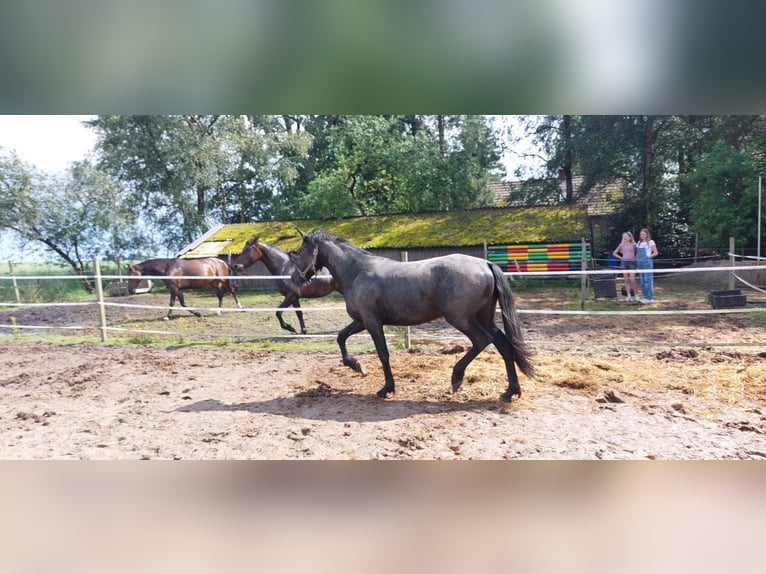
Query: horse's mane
[
  {"x": 320, "y": 235},
  {"x": 158, "y": 265}
]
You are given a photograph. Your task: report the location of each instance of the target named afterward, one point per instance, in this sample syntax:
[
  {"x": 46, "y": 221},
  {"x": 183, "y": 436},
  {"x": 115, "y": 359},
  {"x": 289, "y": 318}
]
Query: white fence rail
[{"x": 102, "y": 304}]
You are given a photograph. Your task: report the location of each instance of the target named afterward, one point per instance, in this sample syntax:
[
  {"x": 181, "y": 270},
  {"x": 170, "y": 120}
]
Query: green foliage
[
  {"x": 372, "y": 165},
  {"x": 74, "y": 217},
  {"x": 673, "y": 168},
  {"x": 725, "y": 202}
]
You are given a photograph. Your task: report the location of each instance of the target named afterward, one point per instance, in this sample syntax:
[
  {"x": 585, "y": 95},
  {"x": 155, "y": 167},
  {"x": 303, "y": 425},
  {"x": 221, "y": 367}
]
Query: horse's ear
[{"x": 303, "y": 235}]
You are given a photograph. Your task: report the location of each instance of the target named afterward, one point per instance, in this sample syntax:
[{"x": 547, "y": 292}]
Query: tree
[
  {"x": 725, "y": 202},
  {"x": 186, "y": 173},
  {"x": 76, "y": 217},
  {"x": 370, "y": 165},
  {"x": 167, "y": 163},
  {"x": 638, "y": 150}
]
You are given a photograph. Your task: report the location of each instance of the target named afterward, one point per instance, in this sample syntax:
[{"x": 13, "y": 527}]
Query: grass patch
[{"x": 757, "y": 320}]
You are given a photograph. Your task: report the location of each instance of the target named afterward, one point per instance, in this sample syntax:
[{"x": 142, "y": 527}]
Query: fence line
[
  {"x": 537, "y": 274},
  {"x": 323, "y": 308},
  {"x": 102, "y": 304}
]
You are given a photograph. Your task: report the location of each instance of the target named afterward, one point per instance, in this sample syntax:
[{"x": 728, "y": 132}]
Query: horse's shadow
[{"x": 346, "y": 407}]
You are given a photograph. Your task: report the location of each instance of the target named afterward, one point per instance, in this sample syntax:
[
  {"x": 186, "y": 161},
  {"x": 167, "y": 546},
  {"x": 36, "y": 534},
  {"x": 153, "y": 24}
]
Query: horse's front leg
[
  {"x": 286, "y": 302},
  {"x": 344, "y": 334},
  {"x": 299, "y": 313},
  {"x": 379, "y": 338}
]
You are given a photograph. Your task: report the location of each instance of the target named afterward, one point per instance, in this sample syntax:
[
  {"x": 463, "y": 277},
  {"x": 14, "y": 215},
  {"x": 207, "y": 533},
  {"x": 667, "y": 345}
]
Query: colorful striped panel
[{"x": 539, "y": 257}]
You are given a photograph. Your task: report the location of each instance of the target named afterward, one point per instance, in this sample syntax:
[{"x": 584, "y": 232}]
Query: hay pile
[{"x": 717, "y": 377}]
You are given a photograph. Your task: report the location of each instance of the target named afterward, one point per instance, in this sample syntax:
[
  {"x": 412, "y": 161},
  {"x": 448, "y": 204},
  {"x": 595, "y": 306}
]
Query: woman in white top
[{"x": 647, "y": 251}]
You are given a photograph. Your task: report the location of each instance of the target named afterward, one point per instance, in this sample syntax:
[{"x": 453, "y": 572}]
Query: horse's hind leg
[
  {"x": 183, "y": 304},
  {"x": 171, "y": 304},
  {"x": 503, "y": 345},
  {"x": 479, "y": 338},
  {"x": 233, "y": 291},
  {"x": 219, "y": 294}
]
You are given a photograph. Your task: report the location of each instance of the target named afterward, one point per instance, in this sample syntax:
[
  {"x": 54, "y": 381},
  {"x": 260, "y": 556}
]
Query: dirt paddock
[{"x": 607, "y": 388}]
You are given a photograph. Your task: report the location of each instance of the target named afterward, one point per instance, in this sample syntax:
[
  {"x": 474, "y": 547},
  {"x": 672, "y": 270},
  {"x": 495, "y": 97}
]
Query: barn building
[{"x": 544, "y": 238}]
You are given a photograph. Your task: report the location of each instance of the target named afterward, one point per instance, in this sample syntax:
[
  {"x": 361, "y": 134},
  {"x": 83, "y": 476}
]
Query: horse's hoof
[
  {"x": 506, "y": 397},
  {"x": 304, "y": 331},
  {"x": 355, "y": 365},
  {"x": 456, "y": 385},
  {"x": 382, "y": 393},
  {"x": 166, "y": 318}
]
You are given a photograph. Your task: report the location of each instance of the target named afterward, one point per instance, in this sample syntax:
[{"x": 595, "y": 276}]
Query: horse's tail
[{"x": 521, "y": 353}]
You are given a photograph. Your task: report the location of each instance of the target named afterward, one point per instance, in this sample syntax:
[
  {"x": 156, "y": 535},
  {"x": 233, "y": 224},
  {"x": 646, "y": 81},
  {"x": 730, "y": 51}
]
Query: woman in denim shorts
[{"x": 626, "y": 252}]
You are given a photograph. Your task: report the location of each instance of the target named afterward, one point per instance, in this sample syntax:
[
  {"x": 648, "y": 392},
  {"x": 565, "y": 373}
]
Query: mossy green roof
[{"x": 496, "y": 226}]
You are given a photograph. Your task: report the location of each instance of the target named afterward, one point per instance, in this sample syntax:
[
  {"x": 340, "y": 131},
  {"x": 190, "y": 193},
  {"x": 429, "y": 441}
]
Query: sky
[{"x": 50, "y": 143}]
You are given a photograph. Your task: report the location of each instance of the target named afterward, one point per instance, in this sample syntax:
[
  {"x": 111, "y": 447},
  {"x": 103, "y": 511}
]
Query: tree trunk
[
  {"x": 646, "y": 169},
  {"x": 440, "y": 124},
  {"x": 567, "y": 167}
]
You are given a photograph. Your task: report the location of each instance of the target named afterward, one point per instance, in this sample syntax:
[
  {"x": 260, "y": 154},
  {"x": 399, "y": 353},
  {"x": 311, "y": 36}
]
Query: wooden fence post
[
  {"x": 583, "y": 277},
  {"x": 15, "y": 285},
  {"x": 407, "y": 329},
  {"x": 731, "y": 262},
  {"x": 100, "y": 293}
]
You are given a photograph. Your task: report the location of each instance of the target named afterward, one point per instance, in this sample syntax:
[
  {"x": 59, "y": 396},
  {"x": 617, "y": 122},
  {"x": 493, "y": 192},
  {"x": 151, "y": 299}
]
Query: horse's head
[
  {"x": 134, "y": 274},
  {"x": 251, "y": 253},
  {"x": 305, "y": 259}
]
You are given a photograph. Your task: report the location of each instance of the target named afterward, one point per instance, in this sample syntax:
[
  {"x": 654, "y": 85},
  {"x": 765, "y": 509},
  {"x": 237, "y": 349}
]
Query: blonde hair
[
  {"x": 648, "y": 235},
  {"x": 630, "y": 235}
]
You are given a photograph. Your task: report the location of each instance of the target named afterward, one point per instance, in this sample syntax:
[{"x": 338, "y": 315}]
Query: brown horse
[
  {"x": 278, "y": 263},
  {"x": 209, "y": 271}
]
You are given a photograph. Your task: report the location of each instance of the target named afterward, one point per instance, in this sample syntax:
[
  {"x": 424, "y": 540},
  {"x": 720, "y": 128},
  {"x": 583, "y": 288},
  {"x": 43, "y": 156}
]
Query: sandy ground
[
  {"x": 608, "y": 401},
  {"x": 608, "y": 387}
]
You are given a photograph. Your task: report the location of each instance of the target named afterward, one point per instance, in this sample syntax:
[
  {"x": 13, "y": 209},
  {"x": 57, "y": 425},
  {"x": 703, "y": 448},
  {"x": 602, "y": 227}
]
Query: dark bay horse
[
  {"x": 380, "y": 291},
  {"x": 204, "y": 268},
  {"x": 278, "y": 262}
]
